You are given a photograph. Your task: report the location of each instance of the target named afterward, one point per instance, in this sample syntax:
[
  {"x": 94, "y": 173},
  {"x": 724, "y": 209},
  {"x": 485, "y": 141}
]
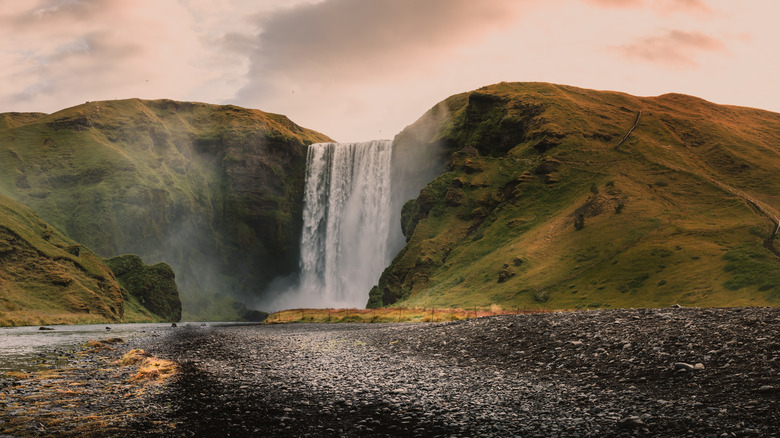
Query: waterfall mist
[{"x": 346, "y": 226}]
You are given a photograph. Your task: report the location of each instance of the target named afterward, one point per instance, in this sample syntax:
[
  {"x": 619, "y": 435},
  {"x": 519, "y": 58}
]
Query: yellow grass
[
  {"x": 16, "y": 375},
  {"x": 398, "y": 314},
  {"x": 151, "y": 368},
  {"x": 133, "y": 357}
]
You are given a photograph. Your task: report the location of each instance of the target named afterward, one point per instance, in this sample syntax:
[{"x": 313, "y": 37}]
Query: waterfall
[{"x": 346, "y": 225}]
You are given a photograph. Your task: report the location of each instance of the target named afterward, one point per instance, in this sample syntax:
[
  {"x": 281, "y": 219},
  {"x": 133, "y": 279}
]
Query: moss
[
  {"x": 48, "y": 278},
  {"x": 750, "y": 266},
  {"x": 526, "y": 160},
  {"x": 154, "y": 286}
]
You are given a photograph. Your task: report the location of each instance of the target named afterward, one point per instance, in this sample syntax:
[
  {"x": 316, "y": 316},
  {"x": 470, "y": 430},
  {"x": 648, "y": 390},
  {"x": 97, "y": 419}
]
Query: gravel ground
[{"x": 662, "y": 372}]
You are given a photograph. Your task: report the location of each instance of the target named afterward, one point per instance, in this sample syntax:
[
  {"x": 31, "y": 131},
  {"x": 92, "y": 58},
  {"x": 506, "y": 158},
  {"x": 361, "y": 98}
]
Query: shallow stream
[{"x": 32, "y": 349}]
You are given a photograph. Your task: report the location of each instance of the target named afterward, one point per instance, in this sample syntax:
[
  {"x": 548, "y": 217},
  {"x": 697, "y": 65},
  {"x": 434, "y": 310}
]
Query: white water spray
[{"x": 346, "y": 225}]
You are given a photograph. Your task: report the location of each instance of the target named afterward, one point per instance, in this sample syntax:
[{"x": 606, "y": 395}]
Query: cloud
[
  {"x": 616, "y": 3},
  {"x": 695, "y": 7},
  {"x": 676, "y": 48},
  {"x": 68, "y": 51},
  {"x": 662, "y": 7},
  {"x": 342, "y": 41}
]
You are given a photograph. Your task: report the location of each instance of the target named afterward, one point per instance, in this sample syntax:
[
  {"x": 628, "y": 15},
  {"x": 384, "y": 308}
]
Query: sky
[{"x": 358, "y": 70}]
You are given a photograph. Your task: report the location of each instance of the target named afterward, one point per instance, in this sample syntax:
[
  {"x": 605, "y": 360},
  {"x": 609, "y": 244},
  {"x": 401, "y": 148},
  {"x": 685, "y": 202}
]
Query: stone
[
  {"x": 683, "y": 366},
  {"x": 632, "y": 422}
]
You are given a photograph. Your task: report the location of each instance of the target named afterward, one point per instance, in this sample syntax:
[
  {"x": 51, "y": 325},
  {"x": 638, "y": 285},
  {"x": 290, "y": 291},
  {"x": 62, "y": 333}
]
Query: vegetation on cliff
[
  {"x": 215, "y": 191},
  {"x": 153, "y": 286},
  {"x": 46, "y": 278},
  {"x": 546, "y": 203}
]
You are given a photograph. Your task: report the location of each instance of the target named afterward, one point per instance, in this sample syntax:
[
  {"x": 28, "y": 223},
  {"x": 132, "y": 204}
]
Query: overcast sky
[{"x": 363, "y": 69}]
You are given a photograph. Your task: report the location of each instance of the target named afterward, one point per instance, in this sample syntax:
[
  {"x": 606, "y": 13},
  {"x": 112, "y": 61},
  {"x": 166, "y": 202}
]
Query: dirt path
[{"x": 625, "y": 137}]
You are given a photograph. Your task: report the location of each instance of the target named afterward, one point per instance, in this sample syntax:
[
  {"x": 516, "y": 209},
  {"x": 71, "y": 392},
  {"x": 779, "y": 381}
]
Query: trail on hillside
[{"x": 636, "y": 123}]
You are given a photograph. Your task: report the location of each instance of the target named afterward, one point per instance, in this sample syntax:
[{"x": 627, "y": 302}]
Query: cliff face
[
  {"x": 46, "y": 278},
  {"x": 215, "y": 191},
  {"x": 542, "y": 203}
]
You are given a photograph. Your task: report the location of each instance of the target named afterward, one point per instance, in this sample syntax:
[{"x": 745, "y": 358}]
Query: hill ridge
[{"x": 548, "y": 183}]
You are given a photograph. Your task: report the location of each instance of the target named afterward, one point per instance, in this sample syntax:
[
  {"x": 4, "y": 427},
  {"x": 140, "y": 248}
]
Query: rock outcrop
[{"x": 153, "y": 286}]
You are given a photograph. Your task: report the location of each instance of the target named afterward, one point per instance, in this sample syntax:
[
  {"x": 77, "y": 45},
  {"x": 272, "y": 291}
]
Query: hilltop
[
  {"x": 215, "y": 191},
  {"x": 560, "y": 197}
]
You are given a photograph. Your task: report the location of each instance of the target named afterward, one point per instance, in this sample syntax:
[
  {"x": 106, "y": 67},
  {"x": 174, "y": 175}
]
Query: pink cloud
[
  {"x": 693, "y": 7},
  {"x": 677, "y": 49},
  {"x": 662, "y": 7},
  {"x": 616, "y": 3}
]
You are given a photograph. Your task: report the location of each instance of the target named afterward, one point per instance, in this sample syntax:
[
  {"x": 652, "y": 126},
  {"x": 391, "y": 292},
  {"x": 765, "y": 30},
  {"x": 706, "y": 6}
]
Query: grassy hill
[
  {"x": 46, "y": 278},
  {"x": 539, "y": 207},
  {"x": 213, "y": 190}
]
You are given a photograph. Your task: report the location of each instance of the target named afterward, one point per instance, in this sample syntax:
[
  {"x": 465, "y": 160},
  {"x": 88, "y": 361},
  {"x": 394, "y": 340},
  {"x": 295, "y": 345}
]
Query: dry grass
[
  {"x": 385, "y": 315},
  {"x": 85, "y": 402},
  {"x": 156, "y": 369},
  {"x": 93, "y": 346},
  {"x": 151, "y": 368},
  {"x": 17, "y": 375},
  {"x": 133, "y": 357}
]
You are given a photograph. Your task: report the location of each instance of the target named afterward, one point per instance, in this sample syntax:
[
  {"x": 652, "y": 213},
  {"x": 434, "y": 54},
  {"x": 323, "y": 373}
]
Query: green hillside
[
  {"x": 46, "y": 278},
  {"x": 539, "y": 207},
  {"x": 213, "y": 190}
]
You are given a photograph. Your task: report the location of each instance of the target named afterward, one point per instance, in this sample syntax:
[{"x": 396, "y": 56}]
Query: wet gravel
[{"x": 662, "y": 372}]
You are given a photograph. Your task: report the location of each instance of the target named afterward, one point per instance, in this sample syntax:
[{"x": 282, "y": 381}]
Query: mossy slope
[
  {"x": 213, "y": 190},
  {"x": 46, "y": 278},
  {"x": 153, "y": 286},
  {"x": 538, "y": 208}
]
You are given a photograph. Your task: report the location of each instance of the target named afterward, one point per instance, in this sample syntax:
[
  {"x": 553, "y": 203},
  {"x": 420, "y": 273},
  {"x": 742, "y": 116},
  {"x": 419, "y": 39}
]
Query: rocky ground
[{"x": 663, "y": 372}]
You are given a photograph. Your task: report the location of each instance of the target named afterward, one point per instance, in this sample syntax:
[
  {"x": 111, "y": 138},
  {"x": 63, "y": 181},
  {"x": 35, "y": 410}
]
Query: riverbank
[
  {"x": 391, "y": 314},
  {"x": 662, "y": 372}
]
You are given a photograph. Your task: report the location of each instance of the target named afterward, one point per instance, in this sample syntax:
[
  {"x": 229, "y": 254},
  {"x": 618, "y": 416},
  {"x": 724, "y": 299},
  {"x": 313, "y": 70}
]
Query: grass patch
[
  {"x": 150, "y": 368},
  {"x": 751, "y": 266},
  {"x": 388, "y": 315}
]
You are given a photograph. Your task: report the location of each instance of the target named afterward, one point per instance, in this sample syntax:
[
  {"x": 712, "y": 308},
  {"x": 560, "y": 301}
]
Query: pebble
[
  {"x": 682, "y": 366},
  {"x": 594, "y": 373}
]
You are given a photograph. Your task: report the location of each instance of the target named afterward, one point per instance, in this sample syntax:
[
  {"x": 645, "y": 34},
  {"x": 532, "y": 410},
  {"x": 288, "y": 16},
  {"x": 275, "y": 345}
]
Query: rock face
[
  {"x": 215, "y": 191},
  {"x": 154, "y": 286},
  {"x": 683, "y": 211}
]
